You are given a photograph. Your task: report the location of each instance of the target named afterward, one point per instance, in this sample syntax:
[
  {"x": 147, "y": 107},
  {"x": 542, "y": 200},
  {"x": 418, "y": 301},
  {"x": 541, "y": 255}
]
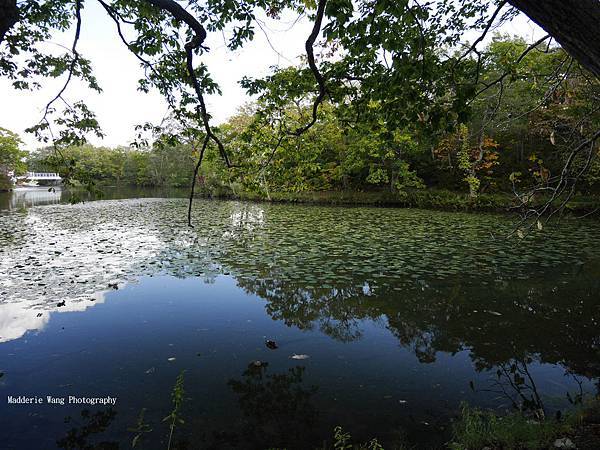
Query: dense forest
[{"x": 508, "y": 142}]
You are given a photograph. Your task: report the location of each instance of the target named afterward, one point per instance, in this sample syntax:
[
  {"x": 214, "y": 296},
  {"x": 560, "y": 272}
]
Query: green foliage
[
  {"x": 11, "y": 157},
  {"x": 502, "y": 146},
  {"x": 140, "y": 429},
  {"x": 477, "y": 429},
  {"x": 158, "y": 166},
  {"x": 398, "y": 86},
  {"x": 360, "y": 145},
  {"x": 543, "y": 107},
  {"x": 175, "y": 418},
  {"x": 385, "y": 53},
  {"x": 343, "y": 441}
]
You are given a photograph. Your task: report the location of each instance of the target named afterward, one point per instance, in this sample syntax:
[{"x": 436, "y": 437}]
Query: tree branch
[
  {"x": 195, "y": 177},
  {"x": 519, "y": 59},
  {"x": 74, "y": 61},
  {"x": 485, "y": 32},
  {"x": 310, "y": 42},
  {"x": 180, "y": 13},
  {"x": 191, "y": 46}
]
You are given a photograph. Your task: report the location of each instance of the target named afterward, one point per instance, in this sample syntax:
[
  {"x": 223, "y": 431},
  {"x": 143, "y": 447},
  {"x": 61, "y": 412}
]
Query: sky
[{"x": 120, "y": 106}]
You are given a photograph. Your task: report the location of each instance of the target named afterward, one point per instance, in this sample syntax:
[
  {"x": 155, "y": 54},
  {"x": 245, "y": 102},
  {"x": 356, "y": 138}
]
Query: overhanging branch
[
  {"x": 74, "y": 61},
  {"x": 310, "y": 42},
  {"x": 194, "y": 44}
]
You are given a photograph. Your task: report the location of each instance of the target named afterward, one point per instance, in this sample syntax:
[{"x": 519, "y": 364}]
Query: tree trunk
[
  {"x": 575, "y": 24},
  {"x": 9, "y": 14}
]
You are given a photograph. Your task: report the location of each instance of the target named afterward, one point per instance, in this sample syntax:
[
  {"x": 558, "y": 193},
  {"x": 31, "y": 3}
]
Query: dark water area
[{"x": 385, "y": 321}]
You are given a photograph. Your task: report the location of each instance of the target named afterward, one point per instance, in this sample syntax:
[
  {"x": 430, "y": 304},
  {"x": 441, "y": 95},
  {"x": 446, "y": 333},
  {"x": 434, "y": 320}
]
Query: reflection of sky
[
  {"x": 213, "y": 330},
  {"x": 70, "y": 252},
  {"x": 18, "y": 318},
  {"x": 360, "y": 294},
  {"x": 64, "y": 254},
  {"x": 245, "y": 220}
]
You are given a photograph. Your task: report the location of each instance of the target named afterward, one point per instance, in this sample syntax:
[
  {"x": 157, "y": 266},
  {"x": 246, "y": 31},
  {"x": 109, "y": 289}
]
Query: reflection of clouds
[
  {"x": 246, "y": 218},
  {"x": 69, "y": 253},
  {"x": 18, "y": 318}
]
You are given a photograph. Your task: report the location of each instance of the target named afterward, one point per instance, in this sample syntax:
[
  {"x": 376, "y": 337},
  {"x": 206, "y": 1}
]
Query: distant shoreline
[{"x": 425, "y": 199}]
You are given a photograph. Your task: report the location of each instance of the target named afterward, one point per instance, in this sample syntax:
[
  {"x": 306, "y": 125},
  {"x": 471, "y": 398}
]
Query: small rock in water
[
  {"x": 1, "y": 374},
  {"x": 294, "y": 356},
  {"x": 564, "y": 443}
]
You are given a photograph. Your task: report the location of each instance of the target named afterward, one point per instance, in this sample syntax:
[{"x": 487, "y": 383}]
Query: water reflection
[
  {"x": 277, "y": 410},
  {"x": 18, "y": 318},
  {"x": 24, "y": 197},
  {"x": 84, "y": 431},
  {"x": 28, "y": 196},
  {"x": 443, "y": 309}
]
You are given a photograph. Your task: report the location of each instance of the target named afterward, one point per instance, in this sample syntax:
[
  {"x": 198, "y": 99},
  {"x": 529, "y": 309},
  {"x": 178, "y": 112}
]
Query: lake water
[{"x": 397, "y": 316}]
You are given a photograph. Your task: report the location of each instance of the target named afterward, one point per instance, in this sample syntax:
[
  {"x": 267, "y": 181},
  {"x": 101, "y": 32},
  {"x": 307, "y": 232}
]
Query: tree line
[
  {"x": 509, "y": 141},
  {"x": 158, "y": 166}
]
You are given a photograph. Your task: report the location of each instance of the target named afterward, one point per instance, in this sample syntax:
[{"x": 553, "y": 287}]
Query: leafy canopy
[{"x": 398, "y": 54}]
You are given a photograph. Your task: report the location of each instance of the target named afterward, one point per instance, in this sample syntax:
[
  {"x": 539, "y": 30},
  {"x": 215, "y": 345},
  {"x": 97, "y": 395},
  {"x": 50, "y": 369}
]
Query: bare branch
[
  {"x": 565, "y": 183},
  {"x": 195, "y": 177},
  {"x": 74, "y": 61},
  {"x": 313, "y": 67},
  {"x": 473, "y": 47}
]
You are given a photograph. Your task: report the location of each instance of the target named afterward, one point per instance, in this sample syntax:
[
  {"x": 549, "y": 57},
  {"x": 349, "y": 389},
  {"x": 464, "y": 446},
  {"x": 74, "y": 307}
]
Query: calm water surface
[{"x": 400, "y": 316}]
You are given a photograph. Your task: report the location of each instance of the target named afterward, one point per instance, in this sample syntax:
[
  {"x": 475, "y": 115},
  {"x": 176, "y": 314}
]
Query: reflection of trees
[
  {"x": 82, "y": 435},
  {"x": 515, "y": 383},
  {"x": 329, "y": 309},
  {"x": 553, "y": 324},
  {"x": 513, "y": 305},
  {"x": 516, "y": 320},
  {"x": 440, "y": 282},
  {"x": 276, "y": 408}
]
